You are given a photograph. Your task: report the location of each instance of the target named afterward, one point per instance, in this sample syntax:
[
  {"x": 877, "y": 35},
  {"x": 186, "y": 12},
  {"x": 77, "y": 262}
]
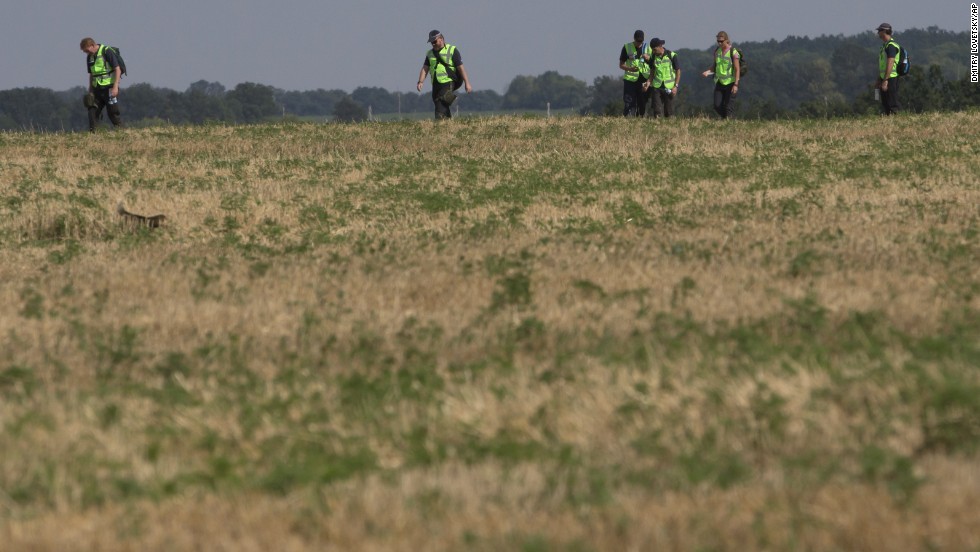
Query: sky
[{"x": 311, "y": 44}]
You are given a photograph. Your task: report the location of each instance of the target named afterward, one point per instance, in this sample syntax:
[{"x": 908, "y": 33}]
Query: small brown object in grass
[{"x": 133, "y": 219}]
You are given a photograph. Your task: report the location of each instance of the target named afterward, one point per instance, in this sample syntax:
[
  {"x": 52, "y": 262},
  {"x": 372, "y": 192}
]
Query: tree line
[{"x": 827, "y": 76}]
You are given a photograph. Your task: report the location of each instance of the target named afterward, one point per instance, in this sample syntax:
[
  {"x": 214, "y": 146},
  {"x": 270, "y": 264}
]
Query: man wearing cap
[
  {"x": 888, "y": 70},
  {"x": 445, "y": 65},
  {"x": 665, "y": 79},
  {"x": 633, "y": 60}
]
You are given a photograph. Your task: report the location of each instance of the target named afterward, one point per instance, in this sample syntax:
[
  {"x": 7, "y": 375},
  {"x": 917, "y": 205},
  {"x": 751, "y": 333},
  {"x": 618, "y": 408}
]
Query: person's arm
[
  {"x": 710, "y": 70},
  {"x": 888, "y": 71},
  {"x": 623, "y": 58},
  {"x": 117, "y": 73},
  {"x": 422, "y": 73},
  {"x": 466, "y": 78},
  {"x": 888, "y": 67},
  {"x": 677, "y": 73}
]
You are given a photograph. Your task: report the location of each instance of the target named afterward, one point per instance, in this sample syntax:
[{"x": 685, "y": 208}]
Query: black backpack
[
  {"x": 904, "y": 65},
  {"x": 119, "y": 59}
]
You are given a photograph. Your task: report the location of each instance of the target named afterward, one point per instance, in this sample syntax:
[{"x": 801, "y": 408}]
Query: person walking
[
  {"x": 445, "y": 65},
  {"x": 665, "y": 79},
  {"x": 104, "y": 69},
  {"x": 633, "y": 60},
  {"x": 727, "y": 72},
  {"x": 887, "y": 82}
]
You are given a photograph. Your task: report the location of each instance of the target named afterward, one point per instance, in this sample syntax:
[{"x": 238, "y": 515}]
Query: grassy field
[{"x": 493, "y": 334}]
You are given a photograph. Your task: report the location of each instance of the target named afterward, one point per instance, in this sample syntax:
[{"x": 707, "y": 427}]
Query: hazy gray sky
[{"x": 309, "y": 44}]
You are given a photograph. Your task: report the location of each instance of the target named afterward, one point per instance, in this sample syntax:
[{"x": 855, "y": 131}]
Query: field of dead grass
[{"x": 497, "y": 334}]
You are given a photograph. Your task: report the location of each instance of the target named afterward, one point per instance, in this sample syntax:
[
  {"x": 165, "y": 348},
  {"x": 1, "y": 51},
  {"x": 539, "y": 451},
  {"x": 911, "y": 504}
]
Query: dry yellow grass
[{"x": 554, "y": 325}]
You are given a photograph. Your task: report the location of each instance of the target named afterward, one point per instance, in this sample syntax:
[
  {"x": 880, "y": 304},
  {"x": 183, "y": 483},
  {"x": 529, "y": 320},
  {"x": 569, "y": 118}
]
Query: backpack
[
  {"x": 119, "y": 58},
  {"x": 122, "y": 62},
  {"x": 904, "y": 65},
  {"x": 743, "y": 67}
]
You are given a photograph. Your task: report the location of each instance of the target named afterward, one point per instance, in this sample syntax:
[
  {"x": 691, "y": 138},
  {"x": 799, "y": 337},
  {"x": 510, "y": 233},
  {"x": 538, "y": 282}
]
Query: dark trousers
[
  {"x": 102, "y": 102},
  {"x": 632, "y": 94},
  {"x": 439, "y": 99},
  {"x": 889, "y": 98},
  {"x": 724, "y": 100},
  {"x": 643, "y": 100},
  {"x": 663, "y": 102}
]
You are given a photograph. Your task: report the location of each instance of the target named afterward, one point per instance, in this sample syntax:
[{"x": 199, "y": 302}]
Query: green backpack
[{"x": 743, "y": 67}]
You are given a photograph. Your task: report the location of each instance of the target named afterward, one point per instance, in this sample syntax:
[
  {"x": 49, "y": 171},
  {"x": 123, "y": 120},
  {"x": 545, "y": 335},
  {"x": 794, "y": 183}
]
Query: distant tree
[
  {"x": 520, "y": 93},
  {"x": 479, "y": 100},
  {"x": 605, "y": 97},
  {"x": 250, "y": 102},
  {"x": 311, "y": 103},
  {"x": 379, "y": 99},
  {"x": 964, "y": 94},
  {"x": 142, "y": 101},
  {"x": 418, "y": 103},
  {"x": 34, "y": 109},
  {"x": 348, "y": 111},
  {"x": 851, "y": 69},
  {"x": 77, "y": 118},
  {"x": 821, "y": 86},
  {"x": 925, "y": 90},
  {"x": 206, "y": 88},
  {"x": 549, "y": 87},
  {"x": 202, "y": 106},
  {"x": 561, "y": 91}
]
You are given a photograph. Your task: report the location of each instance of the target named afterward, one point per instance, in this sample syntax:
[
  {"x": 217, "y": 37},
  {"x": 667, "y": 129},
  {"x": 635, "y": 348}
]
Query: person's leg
[
  {"x": 442, "y": 108},
  {"x": 730, "y": 104},
  {"x": 668, "y": 100},
  {"x": 890, "y": 98},
  {"x": 642, "y": 99},
  {"x": 93, "y": 117},
  {"x": 658, "y": 103},
  {"x": 114, "y": 115},
  {"x": 95, "y": 112},
  {"x": 629, "y": 99},
  {"x": 721, "y": 101}
]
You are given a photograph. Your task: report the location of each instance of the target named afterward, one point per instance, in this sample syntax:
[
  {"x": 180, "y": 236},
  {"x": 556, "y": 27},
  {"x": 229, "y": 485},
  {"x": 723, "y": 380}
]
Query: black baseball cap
[
  {"x": 638, "y": 35},
  {"x": 885, "y": 27},
  {"x": 656, "y": 42},
  {"x": 433, "y": 34}
]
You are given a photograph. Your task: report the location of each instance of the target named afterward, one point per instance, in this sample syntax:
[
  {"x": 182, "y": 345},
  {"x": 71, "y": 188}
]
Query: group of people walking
[{"x": 650, "y": 72}]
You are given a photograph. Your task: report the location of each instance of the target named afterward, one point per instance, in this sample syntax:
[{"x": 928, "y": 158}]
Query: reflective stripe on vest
[
  {"x": 883, "y": 60},
  {"x": 636, "y": 60},
  {"x": 102, "y": 74},
  {"x": 663, "y": 71},
  {"x": 438, "y": 70},
  {"x": 724, "y": 66}
]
